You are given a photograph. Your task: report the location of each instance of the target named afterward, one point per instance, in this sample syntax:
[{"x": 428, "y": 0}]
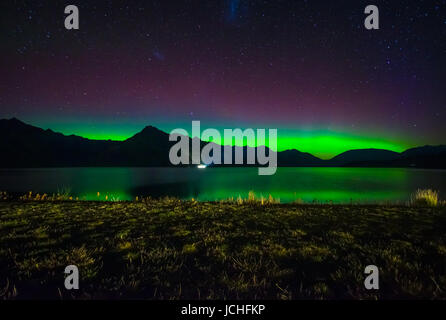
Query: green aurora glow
[{"x": 324, "y": 144}]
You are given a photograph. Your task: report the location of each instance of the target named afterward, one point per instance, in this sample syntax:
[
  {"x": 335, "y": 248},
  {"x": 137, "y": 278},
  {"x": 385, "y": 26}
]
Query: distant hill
[
  {"x": 295, "y": 158},
  {"x": 23, "y": 145},
  {"x": 363, "y": 157},
  {"x": 420, "y": 157},
  {"x": 423, "y": 157}
]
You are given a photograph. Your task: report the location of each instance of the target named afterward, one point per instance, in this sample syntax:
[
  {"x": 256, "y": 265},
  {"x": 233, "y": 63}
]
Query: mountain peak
[
  {"x": 149, "y": 132},
  {"x": 14, "y": 120},
  {"x": 150, "y": 129},
  {"x": 151, "y": 146}
]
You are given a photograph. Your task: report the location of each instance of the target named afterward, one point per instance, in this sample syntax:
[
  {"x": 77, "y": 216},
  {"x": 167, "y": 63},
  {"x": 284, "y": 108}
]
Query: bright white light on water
[{"x": 201, "y": 166}]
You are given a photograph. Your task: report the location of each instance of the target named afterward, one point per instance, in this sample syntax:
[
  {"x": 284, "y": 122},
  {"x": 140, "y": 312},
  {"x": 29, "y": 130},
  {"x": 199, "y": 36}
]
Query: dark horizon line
[{"x": 150, "y": 126}]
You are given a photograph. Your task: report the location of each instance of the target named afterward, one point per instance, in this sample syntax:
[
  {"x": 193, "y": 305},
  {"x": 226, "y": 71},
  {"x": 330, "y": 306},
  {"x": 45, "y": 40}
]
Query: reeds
[
  {"x": 253, "y": 199},
  {"x": 30, "y": 196},
  {"x": 420, "y": 198},
  {"x": 424, "y": 198}
]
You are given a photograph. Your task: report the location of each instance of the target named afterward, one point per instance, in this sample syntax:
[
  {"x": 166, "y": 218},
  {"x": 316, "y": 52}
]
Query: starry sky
[{"x": 308, "y": 68}]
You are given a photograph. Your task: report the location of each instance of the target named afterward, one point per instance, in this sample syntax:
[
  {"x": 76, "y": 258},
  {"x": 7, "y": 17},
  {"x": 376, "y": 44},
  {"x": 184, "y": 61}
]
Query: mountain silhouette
[
  {"x": 24, "y": 145},
  {"x": 419, "y": 157},
  {"x": 295, "y": 158},
  {"x": 150, "y": 147},
  {"x": 363, "y": 156},
  {"x": 423, "y": 157}
]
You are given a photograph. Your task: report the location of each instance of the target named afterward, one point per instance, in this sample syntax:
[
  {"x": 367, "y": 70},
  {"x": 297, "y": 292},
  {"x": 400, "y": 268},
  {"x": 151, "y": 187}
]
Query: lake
[{"x": 288, "y": 184}]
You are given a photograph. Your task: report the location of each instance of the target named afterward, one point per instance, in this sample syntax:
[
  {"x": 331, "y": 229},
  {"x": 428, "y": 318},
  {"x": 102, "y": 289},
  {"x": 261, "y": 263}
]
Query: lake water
[{"x": 288, "y": 184}]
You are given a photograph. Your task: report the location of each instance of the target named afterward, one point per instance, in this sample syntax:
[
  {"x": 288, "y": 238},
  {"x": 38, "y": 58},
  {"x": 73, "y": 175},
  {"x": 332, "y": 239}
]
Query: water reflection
[{"x": 288, "y": 184}]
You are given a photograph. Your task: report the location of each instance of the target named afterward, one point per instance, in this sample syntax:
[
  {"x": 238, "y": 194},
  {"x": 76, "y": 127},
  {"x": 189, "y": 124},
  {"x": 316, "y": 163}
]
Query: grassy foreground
[{"x": 171, "y": 249}]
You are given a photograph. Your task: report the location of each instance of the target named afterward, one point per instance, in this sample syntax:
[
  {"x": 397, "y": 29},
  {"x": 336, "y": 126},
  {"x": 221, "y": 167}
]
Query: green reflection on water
[
  {"x": 288, "y": 184},
  {"x": 312, "y": 184}
]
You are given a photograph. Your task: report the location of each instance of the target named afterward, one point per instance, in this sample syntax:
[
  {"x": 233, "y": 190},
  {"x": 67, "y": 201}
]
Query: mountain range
[{"x": 24, "y": 145}]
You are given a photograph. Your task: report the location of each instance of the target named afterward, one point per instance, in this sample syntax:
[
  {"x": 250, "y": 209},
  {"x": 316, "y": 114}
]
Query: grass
[
  {"x": 425, "y": 197},
  {"x": 249, "y": 249}
]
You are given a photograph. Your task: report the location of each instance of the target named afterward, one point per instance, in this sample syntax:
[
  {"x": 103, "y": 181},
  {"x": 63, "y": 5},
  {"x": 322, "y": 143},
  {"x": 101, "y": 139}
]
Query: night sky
[{"x": 307, "y": 68}]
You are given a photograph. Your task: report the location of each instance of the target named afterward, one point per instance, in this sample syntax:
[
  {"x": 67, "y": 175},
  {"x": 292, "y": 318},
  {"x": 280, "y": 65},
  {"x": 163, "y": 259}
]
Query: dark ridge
[{"x": 24, "y": 145}]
